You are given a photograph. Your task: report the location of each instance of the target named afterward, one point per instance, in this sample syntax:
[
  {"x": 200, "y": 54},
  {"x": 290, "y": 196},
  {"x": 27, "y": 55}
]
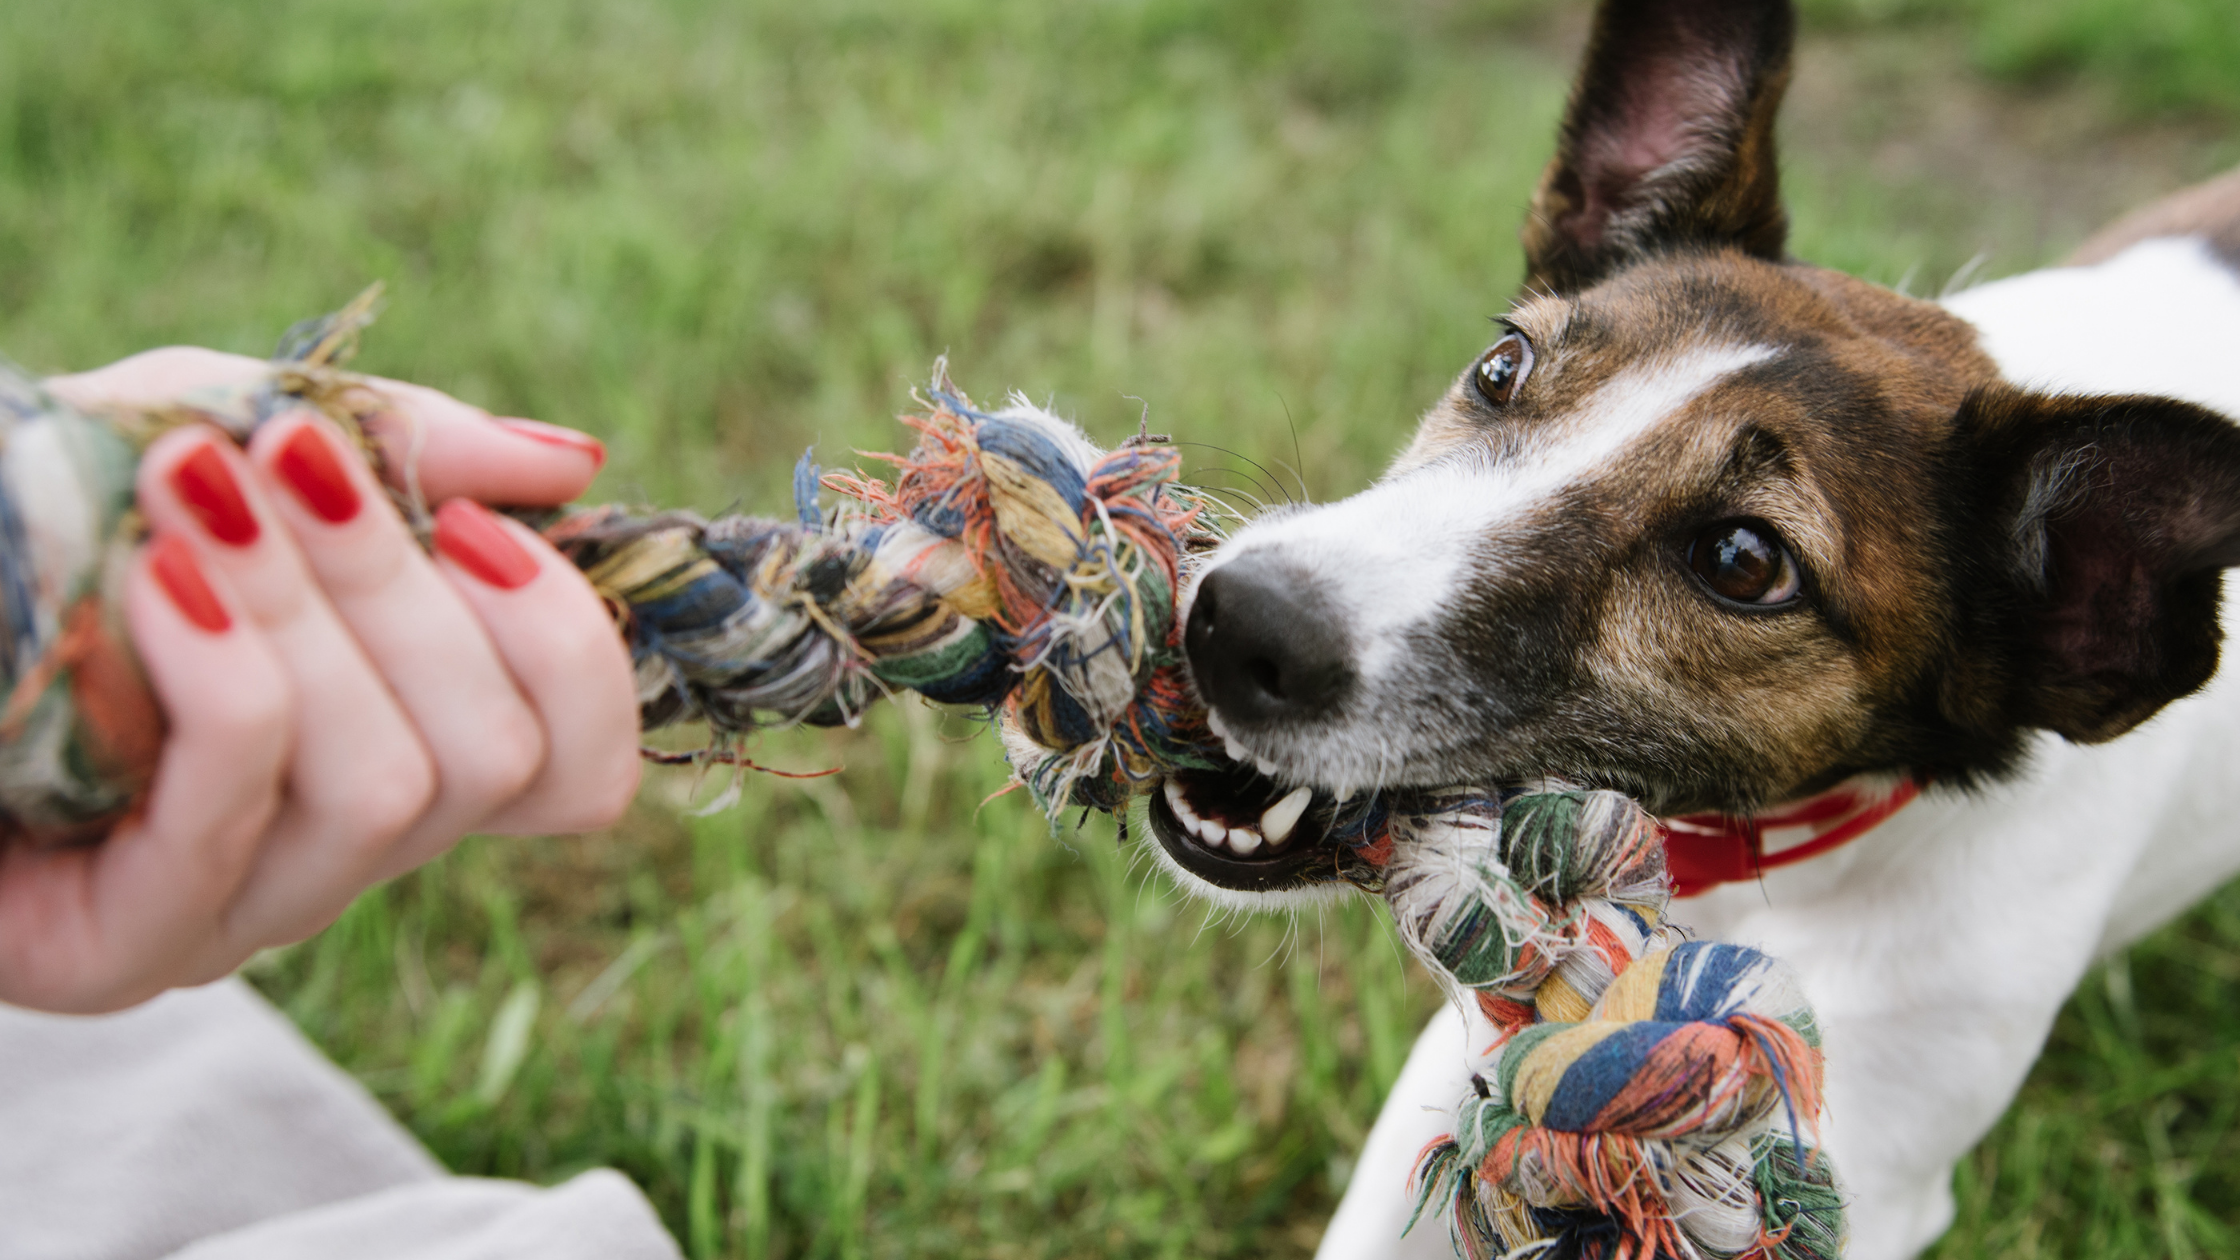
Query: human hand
[{"x": 342, "y": 706}]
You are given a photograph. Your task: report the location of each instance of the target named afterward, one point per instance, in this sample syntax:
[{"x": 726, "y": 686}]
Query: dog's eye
[
  {"x": 1746, "y": 562},
  {"x": 1500, "y": 372}
]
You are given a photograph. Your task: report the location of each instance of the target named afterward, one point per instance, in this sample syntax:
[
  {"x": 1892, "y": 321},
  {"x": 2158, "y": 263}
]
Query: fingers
[
  {"x": 458, "y": 450},
  {"x": 485, "y": 739},
  {"x": 503, "y": 658},
  {"x": 155, "y": 376},
  {"x": 564, "y": 653},
  {"x": 358, "y": 775},
  {"x": 100, "y": 928},
  {"x": 461, "y": 451}
]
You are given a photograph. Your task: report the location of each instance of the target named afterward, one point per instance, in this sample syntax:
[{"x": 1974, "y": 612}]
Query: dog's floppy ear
[
  {"x": 2114, "y": 518},
  {"x": 1668, "y": 140}
]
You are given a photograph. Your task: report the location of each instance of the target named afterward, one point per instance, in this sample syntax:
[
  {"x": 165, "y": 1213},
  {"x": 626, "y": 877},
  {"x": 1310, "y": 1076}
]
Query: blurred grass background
[{"x": 871, "y": 1015}]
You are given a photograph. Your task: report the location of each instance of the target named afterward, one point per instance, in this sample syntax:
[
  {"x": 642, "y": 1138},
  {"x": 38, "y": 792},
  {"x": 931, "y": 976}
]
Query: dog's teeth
[
  {"x": 1236, "y": 750},
  {"x": 1180, "y": 804},
  {"x": 1345, "y": 794},
  {"x": 1215, "y": 724},
  {"x": 1213, "y": 833},
  {"x": 1282, "y": 816},
  {"x": 1244, "y": 840},
  {"x": 1265, "y": 766}
]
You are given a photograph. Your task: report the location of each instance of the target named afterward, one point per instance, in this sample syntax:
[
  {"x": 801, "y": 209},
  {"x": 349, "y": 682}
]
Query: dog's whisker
[
  {"x": 1279, "y": 487},
  {"x": 1299, "y": 460}
]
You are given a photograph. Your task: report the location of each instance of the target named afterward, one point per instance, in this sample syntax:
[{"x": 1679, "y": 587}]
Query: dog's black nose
[{"x": 1264, "y": 646}]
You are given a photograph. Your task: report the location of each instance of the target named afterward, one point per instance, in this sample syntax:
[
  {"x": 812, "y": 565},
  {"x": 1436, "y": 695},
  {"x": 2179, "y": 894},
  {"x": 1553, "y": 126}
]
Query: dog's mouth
[{"x": 1243, "y": 831}]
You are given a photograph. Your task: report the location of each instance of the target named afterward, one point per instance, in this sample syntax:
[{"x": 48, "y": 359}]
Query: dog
[{"x": 1746, "y": 538}]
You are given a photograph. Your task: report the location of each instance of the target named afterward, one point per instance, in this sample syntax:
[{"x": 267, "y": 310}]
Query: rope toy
[
  {"x": 1649, "y": 1097},
  {"x": 1010, "y": 566}
]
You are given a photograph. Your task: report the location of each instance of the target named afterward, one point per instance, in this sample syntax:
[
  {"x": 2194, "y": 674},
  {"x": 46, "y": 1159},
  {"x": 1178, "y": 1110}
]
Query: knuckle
[
  {"x": 365, "y": 565},
  {"x": 504, "y": 762},
  {"x": 406, "y": 791},
  {"x": 585, "y": 790},
  {"x": 597, "y": 805},
  {"x": 608, "y": 806},
  {"x": 255, "y": 717},
  {"x": 585, "y": 645},
  {"x": 383, "y": 797}
]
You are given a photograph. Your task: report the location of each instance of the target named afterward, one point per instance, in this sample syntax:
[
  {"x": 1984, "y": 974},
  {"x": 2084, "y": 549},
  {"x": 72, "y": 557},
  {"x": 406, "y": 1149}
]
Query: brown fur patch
[{"x": 1836, "y": 442}]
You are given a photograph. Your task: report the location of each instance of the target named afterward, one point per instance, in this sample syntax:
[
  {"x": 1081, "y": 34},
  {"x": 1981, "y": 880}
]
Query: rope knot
[{"x": 1649, "y": 1096}]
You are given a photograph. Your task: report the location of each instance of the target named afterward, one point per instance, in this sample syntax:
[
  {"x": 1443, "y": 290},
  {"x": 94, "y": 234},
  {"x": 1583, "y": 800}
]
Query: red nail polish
[
  {"x": 473, "y": 539},
  {"x": 554, "y": 435},
  {"x": 204, "y": 483},
  {"x": 306, "y": 461},
  {"x": 172, "y": 560}
]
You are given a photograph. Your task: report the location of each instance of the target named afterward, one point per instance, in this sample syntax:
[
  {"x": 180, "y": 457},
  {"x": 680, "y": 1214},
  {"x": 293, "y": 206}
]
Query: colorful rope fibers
[
  {"x": 1649, "y": 1097},
  {"x": 1011, "y": 565}
]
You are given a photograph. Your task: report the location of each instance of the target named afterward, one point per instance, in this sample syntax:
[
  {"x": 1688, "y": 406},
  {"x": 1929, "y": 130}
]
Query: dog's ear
[
  {"x": 1668, "y": 140},
  {"x": 2113, "y": 518}
]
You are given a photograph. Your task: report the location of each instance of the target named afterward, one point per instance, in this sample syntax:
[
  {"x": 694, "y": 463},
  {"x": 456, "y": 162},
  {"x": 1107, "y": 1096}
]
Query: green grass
[
  {"x": 872, "y": 1015},
  {"x": 855, "y": 1017},
  {"x": 2160, "y": 56},
  {"x": 2169, "y": 54},
  {"x": 2124, "y": 1141}
]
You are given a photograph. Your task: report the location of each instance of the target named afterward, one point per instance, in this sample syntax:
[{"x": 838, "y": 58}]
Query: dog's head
[{"x": 1704, "y": 524}]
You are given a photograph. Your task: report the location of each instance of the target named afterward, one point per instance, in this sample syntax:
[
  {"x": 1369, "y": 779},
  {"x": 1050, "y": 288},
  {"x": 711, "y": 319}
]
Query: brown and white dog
[{"x": 1724, "y": 530}]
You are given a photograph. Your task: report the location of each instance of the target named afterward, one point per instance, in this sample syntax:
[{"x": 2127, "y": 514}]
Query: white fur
[
  {"x": 2157, "y": 318},
  {"x": 1388, "y": 559},
  {"x": 1938, "y": 948}
]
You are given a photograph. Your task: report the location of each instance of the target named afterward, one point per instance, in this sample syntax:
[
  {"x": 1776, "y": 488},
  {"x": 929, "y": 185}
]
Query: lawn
[{"x": 878, "y": 1014}]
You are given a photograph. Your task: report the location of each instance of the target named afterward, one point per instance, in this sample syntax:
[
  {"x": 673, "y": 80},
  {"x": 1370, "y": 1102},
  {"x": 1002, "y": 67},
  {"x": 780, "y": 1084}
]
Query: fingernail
[
  {"x": 176, "y": 570},
  {"x": 473, "y": 539},
  {"x": 554, "y": 435},
  {"x": 204, "y": 483},
  {"x": 307, "y": 462}
]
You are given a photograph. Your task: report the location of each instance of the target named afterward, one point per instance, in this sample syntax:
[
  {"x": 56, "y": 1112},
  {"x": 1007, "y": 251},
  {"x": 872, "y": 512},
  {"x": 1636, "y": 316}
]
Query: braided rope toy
[{"x": 1649, "y": 1097}]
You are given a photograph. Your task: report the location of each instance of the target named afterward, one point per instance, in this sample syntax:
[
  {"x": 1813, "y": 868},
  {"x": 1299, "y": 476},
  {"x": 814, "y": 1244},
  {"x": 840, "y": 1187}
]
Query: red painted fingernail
[
  {"x": 176, "y": 570},
  {"x": 476, "y": 541},
  {"x": 554, "y": 435},
  {"x": 307, "y": 462},
  {"x": 204, "y": 483}
]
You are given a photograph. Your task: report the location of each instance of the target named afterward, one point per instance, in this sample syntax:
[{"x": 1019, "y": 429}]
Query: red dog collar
[{"x": 1705, "y": 850}]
